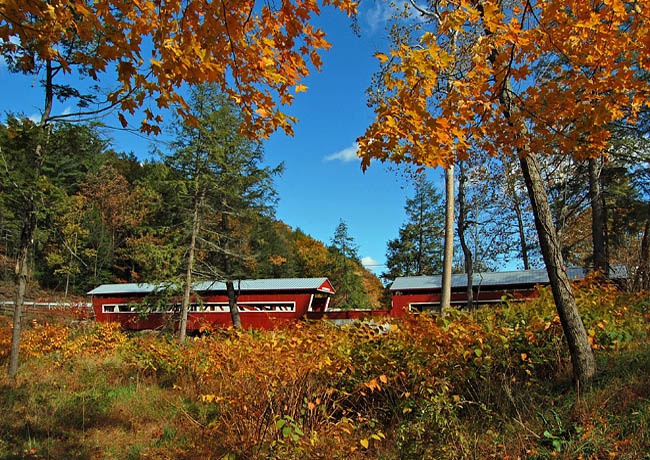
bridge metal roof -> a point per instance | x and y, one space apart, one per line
280 284
532 277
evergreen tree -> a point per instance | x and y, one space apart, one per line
226 190
418 248
343 272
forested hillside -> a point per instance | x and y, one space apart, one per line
108 217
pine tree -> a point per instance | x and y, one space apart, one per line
227 190
349 286
418 249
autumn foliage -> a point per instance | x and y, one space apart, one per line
422 388
257 54
575 67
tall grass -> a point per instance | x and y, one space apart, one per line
493 384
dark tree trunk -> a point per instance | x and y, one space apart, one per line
445 299
232 303
27 233
582 357
26 240
597 218
462 227
516 202
230 287
522 237
642 276
522 232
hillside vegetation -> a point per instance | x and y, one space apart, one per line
493 384
107 217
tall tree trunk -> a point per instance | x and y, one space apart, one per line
523 244
462 227
445 300
522 237
26 240
196 224
67 285
29 227
448 255
582 357
597 218
418 258
642 275
232 303
230 288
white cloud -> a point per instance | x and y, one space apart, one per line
67 111
378 15
382 13
346 155
369 263
35 117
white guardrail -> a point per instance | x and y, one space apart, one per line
7 307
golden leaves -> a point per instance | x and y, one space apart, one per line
441 91
382 57
258 57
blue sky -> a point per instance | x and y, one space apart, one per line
323 181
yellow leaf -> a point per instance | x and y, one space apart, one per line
364 442
301 88
382 57
383 378
262 112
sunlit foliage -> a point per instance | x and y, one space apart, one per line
488 385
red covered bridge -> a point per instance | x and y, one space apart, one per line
262 303
423 293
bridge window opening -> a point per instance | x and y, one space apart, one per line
427 308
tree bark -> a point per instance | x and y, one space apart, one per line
642 275
597 218
522 237
27 233
26 240
232 304
582 357
520 221
462 227
196 224
230 287
445 299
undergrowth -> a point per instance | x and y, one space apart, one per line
492 384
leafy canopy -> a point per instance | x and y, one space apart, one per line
256 54
575 67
